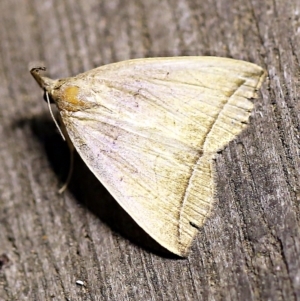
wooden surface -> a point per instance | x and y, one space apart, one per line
248 250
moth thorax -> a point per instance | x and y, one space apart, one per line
70 98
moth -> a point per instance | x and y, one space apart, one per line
149 130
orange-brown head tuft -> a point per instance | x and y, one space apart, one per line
68 98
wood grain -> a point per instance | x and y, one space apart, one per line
248 250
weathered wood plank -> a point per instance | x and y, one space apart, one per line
248 250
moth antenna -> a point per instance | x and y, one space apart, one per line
51 113
64 187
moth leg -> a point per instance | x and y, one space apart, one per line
71 148
64 187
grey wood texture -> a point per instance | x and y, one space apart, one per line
248 250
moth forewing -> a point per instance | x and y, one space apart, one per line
149 129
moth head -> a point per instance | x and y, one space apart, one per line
55 91
44 82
